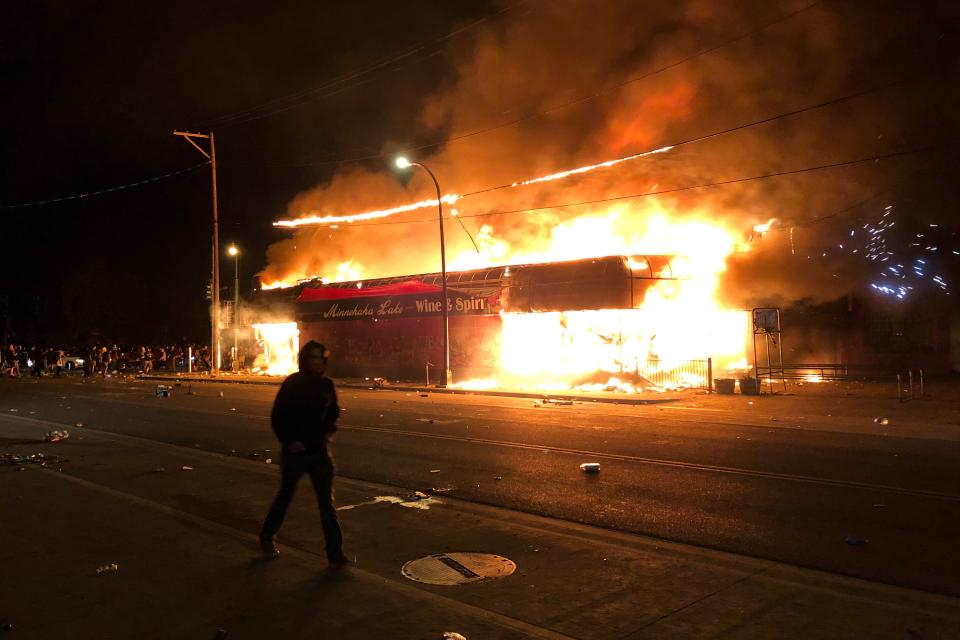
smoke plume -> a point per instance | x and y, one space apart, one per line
570 62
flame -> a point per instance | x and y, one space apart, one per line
314 217
761 229
281 344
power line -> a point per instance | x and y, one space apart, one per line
277 105
668 147
707 185
469 134
100 192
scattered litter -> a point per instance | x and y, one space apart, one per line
269 460
452 635
419 495
554 401
108 568
186 468
436 490
422 395
80 424
14 410
33 458
498 477
159 470
855 541
380 383
220 395
163 391
882 421
434 470
258 453
774 420
6 626
56 436
590 467
233 408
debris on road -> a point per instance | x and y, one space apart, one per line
882 421
269 460
498 477
436 490
159 470
434 470
80 424
6 626
258 453
855 540
424 395
163 391
220 395
557 402
452 635
186 468
419 495
33 458
590 467
108 568
56 435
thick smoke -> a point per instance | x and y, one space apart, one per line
553 52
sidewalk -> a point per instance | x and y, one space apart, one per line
184 542
652 397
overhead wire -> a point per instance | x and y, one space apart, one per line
538 114
648 194
276 105
100 192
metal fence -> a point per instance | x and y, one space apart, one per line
674 374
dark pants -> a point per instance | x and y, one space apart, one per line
319 467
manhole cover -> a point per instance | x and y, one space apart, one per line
458 568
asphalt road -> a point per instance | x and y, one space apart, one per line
727 480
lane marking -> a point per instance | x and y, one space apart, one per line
850 484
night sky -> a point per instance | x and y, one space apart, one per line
94 91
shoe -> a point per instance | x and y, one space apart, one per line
338 562
269 548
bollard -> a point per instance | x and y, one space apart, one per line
710 376
189 360
910 377
427 365
921 383
899 389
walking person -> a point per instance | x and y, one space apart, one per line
304 417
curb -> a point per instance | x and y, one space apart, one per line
424 389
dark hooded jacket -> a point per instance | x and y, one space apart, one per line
306 408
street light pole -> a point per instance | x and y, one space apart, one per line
446 377
236 304
215 293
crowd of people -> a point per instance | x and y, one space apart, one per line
38 361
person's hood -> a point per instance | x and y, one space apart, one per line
302 357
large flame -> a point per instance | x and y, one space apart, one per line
281 344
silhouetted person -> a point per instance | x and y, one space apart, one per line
304 417
37 357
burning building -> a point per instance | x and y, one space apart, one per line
596 323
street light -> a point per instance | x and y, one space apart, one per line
446 378
235 252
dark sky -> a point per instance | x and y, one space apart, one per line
93 91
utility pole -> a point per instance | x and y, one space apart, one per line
215 312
